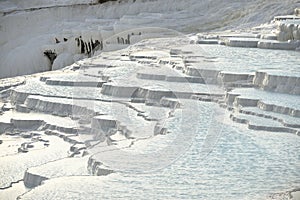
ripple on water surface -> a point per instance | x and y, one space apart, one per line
244 164
237 59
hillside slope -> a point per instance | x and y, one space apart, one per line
28 28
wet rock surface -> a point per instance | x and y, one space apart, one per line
164 107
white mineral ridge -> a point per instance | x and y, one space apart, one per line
62 167
160 108
87 187
25 33
63 60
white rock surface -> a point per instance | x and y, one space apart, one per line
154 113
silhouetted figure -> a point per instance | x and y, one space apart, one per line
122 39
97 43
86 47
82 49
78 41
57 41
118 39
92 44
128 39
65 39
140 33
90 47
93 47
101 45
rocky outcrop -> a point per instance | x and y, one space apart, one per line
75 83
289 30
277 83
117 90
34 176
33 180
97 168
18 97
292 122
297 12
278 109
233 80
241 42
135 92
37 103
289 45
209 75
259 126
241 101
237 100
171 103
104 123
189 79
26 124
5 127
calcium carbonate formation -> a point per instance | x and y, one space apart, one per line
126 108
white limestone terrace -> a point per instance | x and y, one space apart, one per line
79 183
36 87
278 99
62 167
214 64
54 120
278 81
258 123
246 59
139 157
69 80
156 89
51 105
286 37
156 115
123 117
286 120
7 83
115 185
26 25
289 29
15 165
8 147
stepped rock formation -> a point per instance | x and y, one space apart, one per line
211 114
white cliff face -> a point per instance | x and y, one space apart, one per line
289 30
288 27
26 34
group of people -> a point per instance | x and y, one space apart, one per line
89 47
121 40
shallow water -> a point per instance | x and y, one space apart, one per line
242 164
13 166
238 59
279 99
202 156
